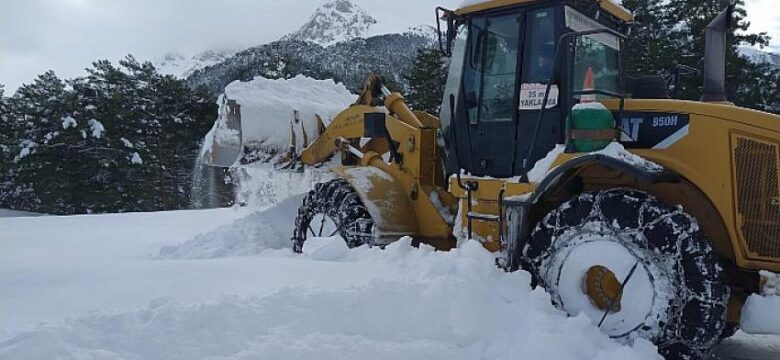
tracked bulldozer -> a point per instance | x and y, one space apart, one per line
652 216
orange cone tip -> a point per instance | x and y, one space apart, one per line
588 84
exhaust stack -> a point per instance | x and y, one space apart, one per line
715 57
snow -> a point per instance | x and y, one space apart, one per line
182 66
258 233
16 213
28 147
761 313
637 301
51 136
466 3
326 248
261 185
135 159
772 283
542 167
101 295
127 143
223 283
617 151
68 122
443 211
97 128
333 22
23 153
267 107
590 106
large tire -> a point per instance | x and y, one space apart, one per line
676 296
337 202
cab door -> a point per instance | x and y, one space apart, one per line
490 88
541 34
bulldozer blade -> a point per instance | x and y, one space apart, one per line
226 138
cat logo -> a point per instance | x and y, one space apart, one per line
631 129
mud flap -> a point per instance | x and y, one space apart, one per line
389 205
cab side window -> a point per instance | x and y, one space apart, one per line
541 50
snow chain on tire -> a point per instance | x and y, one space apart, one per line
337 200
665 240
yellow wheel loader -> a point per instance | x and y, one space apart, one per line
652 216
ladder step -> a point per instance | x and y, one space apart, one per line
483 217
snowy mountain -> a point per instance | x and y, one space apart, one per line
334 22
336 43
181 66
348 62
759 56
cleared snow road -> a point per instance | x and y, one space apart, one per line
140 286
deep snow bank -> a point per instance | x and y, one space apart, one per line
761 313
267 107
453 305
254 234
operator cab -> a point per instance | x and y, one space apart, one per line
504 61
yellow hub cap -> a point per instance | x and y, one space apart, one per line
602 288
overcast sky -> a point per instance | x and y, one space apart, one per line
67 35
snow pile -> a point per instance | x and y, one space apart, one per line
69 293
261 185
616 151
761 313
267 107
326 248
429 305
254 234
542 167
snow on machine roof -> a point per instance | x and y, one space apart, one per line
472 6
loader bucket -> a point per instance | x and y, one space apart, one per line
226 142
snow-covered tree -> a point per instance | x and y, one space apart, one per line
121 138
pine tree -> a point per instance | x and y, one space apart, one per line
649 49
5 148
671 33
118 139
427 78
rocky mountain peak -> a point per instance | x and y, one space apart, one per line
333 22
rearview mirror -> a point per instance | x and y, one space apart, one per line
447 36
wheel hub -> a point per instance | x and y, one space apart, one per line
602 288
588 278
